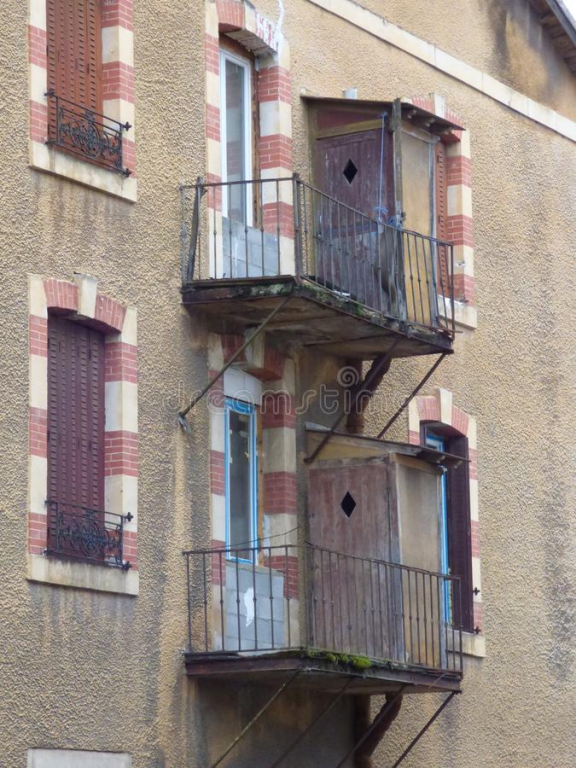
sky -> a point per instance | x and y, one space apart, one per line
571 5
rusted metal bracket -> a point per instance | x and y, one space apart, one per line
411 396
183 413
256 717
372 376
307 730
417 738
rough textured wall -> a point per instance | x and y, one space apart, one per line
501 37
105 673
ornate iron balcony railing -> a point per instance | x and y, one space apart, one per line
291 598
86 534
261 228
86 133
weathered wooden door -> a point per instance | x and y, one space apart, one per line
355 598
354 172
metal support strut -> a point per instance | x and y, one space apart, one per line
371 376
183 413
417 738
255 719
411 396
307 730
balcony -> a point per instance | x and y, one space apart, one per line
272 611
355 286
86 134
86 534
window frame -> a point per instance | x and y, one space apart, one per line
248 138
245 408
438 433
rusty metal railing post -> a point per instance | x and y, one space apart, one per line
298 255
195 230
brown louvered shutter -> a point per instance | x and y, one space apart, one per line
459 533
74 49
75 416
440 182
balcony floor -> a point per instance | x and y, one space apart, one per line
273 668
314 316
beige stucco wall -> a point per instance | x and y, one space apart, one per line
91 671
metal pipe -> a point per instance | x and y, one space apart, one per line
182 414
255 719
417 738
411 396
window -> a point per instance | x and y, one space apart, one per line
236 135
241 477
76 87
76 524
456 544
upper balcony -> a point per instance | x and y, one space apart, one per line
338 279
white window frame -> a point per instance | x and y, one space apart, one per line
248 137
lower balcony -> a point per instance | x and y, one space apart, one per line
267 613
337 279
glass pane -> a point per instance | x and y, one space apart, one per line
239 469
236 132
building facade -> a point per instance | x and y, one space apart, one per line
287 375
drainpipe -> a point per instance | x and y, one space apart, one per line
362 721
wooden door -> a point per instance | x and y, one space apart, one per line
355 601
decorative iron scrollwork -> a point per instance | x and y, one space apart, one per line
87 133
86 534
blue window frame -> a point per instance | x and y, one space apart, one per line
439 444
241 476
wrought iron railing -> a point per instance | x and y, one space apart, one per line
282 598
86 534
283 226
86 133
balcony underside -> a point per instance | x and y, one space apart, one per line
314 316
274 668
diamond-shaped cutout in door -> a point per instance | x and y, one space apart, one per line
350 171
348 504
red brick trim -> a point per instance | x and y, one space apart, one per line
274 84
120 453
117 13
478 615
212 122
458 170
460 420
38 336
121 362
118 81
212 54
130 547
38 432
109 313
60 294
217 473
37 46
278 410
428 409
280 493
230 15
37 533
288 565
464 288
460 230
275 151
475 529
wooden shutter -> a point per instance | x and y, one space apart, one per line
440 182
74 48
459 533
75 414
